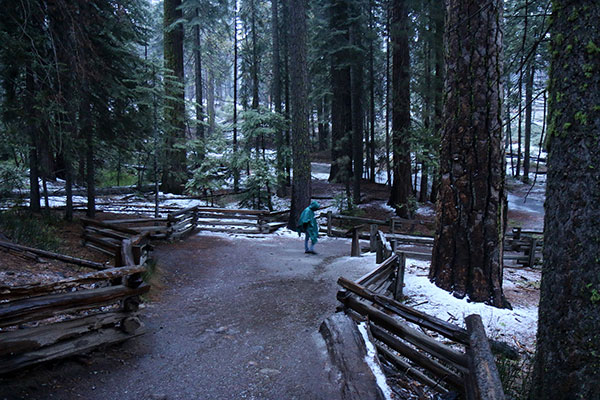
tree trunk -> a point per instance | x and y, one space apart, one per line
568 343
467 252
90 172
357 115
276 92
301 189
254 67
236 169
34 183
198 79
401 186
341 101
438 87
174 170
528 120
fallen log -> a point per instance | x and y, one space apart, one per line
347 351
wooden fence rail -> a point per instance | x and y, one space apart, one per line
466 367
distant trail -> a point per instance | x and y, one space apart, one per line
235 318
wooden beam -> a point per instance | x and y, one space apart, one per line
78 345
482 365
25 310
418 358
36 289
419 339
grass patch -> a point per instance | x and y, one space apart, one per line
516 376
28 229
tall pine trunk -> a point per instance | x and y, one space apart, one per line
174 170
198 78
568 340
467 252
357 116
301 188
401 186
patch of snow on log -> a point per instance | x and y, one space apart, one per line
371 361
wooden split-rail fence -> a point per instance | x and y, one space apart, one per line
45 321
406 337
105 236
523 246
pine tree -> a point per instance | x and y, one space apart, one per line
467 253
568 342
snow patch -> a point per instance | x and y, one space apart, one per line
518 324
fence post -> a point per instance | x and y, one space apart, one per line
532 252
329 218
373 237
401 266
483 372
379 251
392 225
355 251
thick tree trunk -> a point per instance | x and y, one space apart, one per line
567 362
174 170
90 172
341 101
467 252
276 92
301 189
401 186
438 86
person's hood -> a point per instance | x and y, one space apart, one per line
314 206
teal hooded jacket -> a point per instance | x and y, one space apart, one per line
308 223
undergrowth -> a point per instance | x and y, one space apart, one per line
515 376
28 229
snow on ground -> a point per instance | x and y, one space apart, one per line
518 324
512 326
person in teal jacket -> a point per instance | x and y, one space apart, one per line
307 223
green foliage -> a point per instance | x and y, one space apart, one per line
209 166
11 178
258 186
29 229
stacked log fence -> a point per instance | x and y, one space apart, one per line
461 361
40 322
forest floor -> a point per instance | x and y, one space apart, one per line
234 317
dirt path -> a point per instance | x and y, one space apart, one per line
235 319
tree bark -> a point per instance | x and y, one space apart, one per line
198 78
567 362
174 170
301 188
401 186
528 120
356 85
467 252
341 101
276 92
